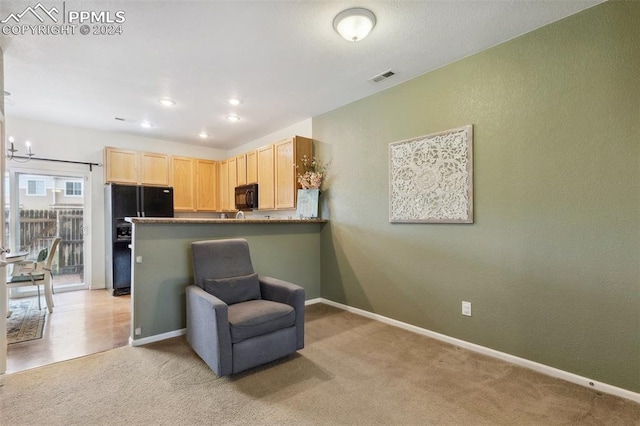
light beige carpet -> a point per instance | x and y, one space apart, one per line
353 371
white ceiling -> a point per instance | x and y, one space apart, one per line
282 58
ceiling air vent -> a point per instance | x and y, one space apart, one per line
383 76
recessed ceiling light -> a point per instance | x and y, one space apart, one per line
233 118
166 102
146 124
203 135
234 101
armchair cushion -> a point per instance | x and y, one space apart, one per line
257 317
234 289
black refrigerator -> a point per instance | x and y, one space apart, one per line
123 201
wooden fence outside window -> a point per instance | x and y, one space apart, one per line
38 228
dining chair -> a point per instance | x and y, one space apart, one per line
37 273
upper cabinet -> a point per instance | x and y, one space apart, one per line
241 169
252 167
288 159
224 185
120 166
277 171
233 182
154 168
206 185
135 168
183 174
266 178
195 184
201 185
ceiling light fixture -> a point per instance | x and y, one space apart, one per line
233 118
203 135
234 101
146 124
166 102
354 24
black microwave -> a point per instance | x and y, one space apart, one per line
247 197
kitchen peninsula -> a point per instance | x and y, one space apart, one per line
288 249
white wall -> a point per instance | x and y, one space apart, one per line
79 144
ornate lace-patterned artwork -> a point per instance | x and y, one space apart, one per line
431 178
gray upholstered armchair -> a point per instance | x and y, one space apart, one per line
235 319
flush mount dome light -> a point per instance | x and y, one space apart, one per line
354 24
146 124
233 118
234 101
203 135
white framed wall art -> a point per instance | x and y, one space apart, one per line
431 178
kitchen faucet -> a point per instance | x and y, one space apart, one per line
240 214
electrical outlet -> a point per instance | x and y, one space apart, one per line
138 331
466 308
138 259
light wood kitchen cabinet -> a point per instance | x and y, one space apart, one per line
288 155
183 179
135 168
266 178
195 184
155 169
241 169
224 185
233 182
120 166
252 166
206 178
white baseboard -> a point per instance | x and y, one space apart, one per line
157 337
540 368
313 301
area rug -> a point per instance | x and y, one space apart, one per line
26 321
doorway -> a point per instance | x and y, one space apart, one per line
40 206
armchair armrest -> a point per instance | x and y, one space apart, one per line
287 293
208 329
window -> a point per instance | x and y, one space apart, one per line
73 189
35 187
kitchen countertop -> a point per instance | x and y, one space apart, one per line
189 220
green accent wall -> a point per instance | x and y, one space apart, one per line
289 252
552 263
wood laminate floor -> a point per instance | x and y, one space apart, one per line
83 322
